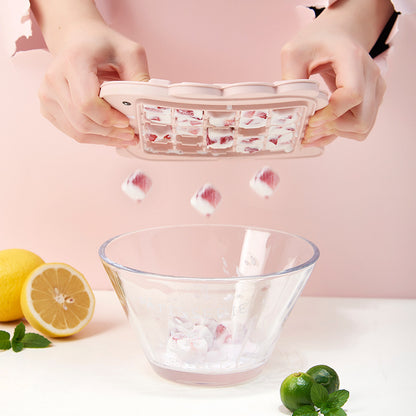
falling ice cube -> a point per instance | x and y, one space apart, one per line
137 185
264 182
206 200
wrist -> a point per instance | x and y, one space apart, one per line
59 21
361 20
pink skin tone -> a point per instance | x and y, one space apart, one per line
86 51
336 46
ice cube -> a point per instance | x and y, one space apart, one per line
188 349
180 324
281 139
221 118
264 182
137 185
187 130
202 332
158 133
220 138
251 119
249 144
222 336
157 114
185 115
206 200
284 117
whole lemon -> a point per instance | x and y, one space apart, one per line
15 265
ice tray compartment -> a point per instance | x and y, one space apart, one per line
187 131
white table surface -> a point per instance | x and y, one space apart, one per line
102 371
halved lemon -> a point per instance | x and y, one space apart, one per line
57 300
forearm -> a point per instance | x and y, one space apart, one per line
56 18
363 20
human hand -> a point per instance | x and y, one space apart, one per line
86 52
330 47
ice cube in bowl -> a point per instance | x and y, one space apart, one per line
208 301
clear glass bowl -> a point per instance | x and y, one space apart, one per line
208 301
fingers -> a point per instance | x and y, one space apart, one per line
69 99
321 142
353 106
351 83
53 112
84 88
353 78
56 99
133 64
294 62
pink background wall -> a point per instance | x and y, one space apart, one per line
356 202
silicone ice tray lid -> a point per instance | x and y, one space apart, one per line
211 121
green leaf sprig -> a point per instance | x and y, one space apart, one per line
323 403
21 339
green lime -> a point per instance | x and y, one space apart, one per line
326 376
295 390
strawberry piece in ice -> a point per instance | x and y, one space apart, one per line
285 117
158 114
206 200
189 130
221 118
265 182
190 114
250 144
157 133
219 330
251 119
222 335
220 138
189 122
281 139
151 137
137 185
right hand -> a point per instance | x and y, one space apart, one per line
69 93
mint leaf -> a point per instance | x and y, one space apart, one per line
32 340
334 412
5 344
17 346
21 340
338 398
5 340
19 332
307 410
319 395
4 335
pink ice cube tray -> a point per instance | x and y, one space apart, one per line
211 121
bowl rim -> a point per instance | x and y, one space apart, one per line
304 265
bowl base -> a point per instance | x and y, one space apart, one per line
210 380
